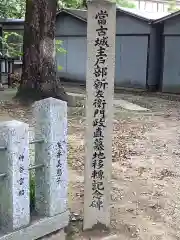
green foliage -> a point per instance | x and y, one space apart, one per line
125 3
72 3
16 8
12 8
12 43
172 6
15 79
32 192
59 48
82 3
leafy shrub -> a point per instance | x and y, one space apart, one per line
32 192
15 79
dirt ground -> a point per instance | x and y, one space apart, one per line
145 198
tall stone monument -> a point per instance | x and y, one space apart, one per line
99 111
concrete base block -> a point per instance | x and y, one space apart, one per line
113 237
38 228
60 235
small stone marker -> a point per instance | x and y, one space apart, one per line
99 111
14 187
52 180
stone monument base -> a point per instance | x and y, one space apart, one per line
39 227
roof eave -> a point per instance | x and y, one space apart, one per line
70 13
172 15
118 10
11 23
133 15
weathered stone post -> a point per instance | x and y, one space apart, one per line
99 111
51 181
14 185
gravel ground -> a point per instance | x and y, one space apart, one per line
145 178
145 202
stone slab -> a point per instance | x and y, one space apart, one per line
39 228
5 117
76 94
113 237
128 105
118 103
57 236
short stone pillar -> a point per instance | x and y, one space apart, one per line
51 181
14 187
101 29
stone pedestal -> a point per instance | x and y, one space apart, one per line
40 228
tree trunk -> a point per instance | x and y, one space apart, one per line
39 68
